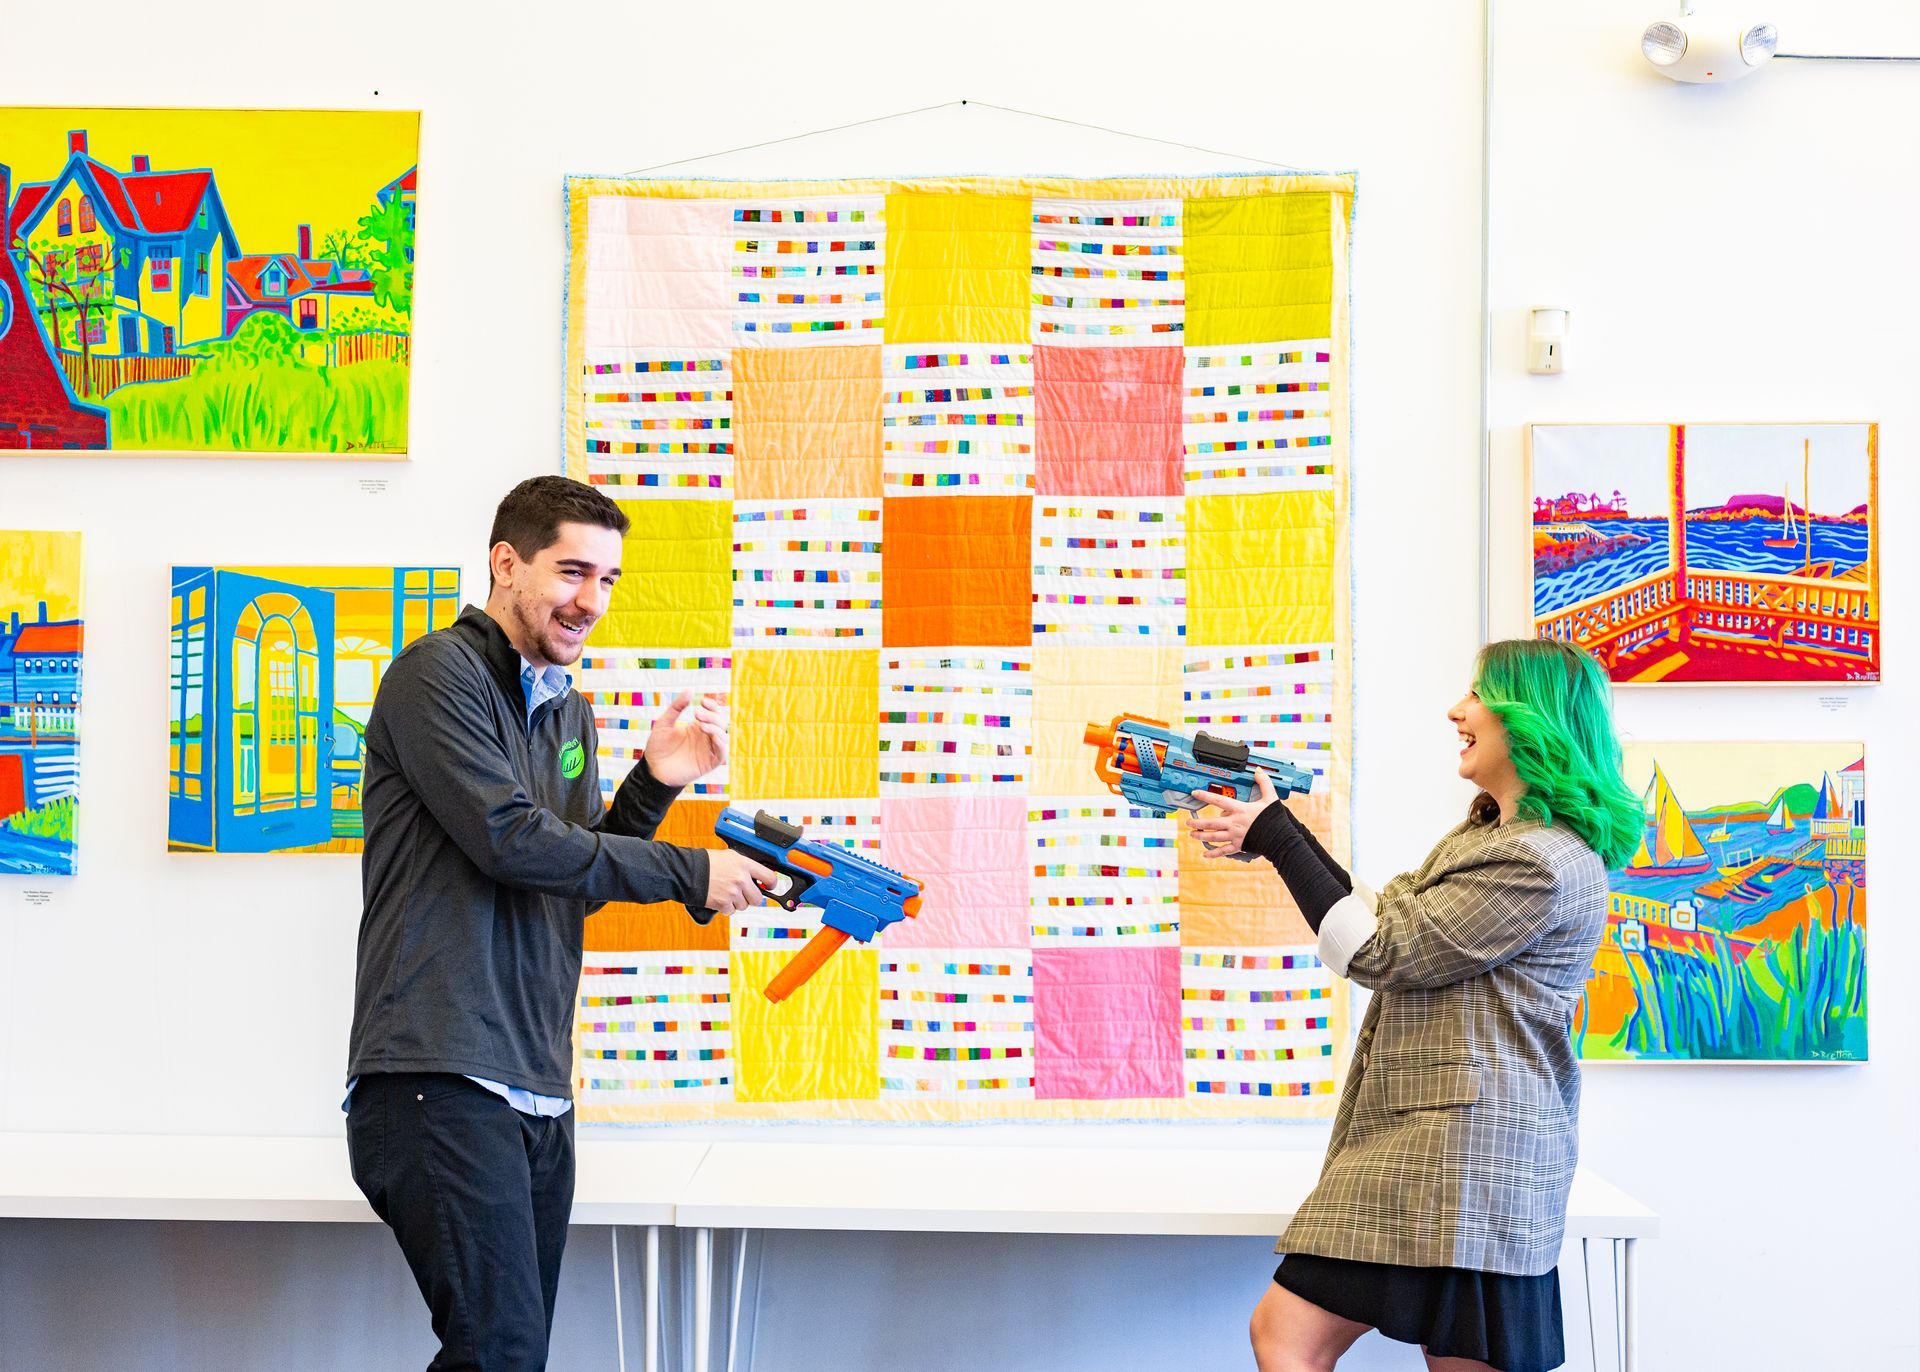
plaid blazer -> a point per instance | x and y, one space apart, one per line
1458 1127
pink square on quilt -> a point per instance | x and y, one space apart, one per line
1107 421
1106 1023
971 851
657 274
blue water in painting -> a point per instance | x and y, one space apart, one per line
1751 837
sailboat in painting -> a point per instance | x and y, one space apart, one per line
1789 531
1670 846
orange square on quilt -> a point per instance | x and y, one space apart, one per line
622 927
957 570
1227 904
806 423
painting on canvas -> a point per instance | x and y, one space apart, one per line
206 281
1709 553
40 652
1738 929
273 675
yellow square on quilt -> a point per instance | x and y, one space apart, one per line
1259 268
817 1044
806 724
1260 568
959 268
676 583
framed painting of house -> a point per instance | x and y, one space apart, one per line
40 656
1691 554
220 282
273 674
1737 931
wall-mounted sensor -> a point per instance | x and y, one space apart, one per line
1547 341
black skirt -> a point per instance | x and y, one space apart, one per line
1512 1323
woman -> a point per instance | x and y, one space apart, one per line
1443 1199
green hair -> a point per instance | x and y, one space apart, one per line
1556 703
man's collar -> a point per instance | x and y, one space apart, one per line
484 633
558 679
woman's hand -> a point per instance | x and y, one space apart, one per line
684 745
1222 833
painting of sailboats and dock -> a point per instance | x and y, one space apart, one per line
1709 553
1737 931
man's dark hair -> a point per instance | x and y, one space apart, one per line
531 515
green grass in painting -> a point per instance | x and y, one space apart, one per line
1802 999
52 820
276 407
255 394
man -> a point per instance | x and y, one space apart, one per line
486 845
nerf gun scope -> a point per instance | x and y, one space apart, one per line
858 897
1158 769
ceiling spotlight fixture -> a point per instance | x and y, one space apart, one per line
1707 48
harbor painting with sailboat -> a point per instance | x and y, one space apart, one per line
1709 552
1737 931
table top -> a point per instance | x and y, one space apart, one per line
1043 1190
178 1177
901 1184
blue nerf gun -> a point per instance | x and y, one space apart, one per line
1159 770
858 897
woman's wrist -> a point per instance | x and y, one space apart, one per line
1268 832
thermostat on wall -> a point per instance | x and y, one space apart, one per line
1547 341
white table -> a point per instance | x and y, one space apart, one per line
173 1177
774 1184
1065 1190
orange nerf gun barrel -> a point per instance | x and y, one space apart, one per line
857 896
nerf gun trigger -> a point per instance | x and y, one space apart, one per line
767 839
779 836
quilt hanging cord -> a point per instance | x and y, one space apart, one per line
981 104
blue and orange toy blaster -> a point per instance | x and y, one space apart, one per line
1159 770
857 897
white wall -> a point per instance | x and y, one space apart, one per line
1741 253
193 995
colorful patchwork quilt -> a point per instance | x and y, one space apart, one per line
924 477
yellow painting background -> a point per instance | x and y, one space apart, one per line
37 565
275 169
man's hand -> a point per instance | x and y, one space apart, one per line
735 882
1223 833
685 744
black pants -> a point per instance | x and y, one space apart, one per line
478 1195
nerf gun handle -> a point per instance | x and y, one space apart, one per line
825 942
769 842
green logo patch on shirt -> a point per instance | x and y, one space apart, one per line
573 759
